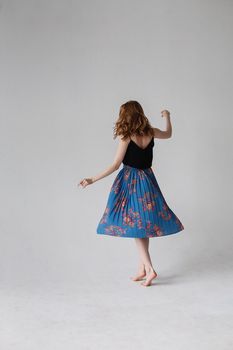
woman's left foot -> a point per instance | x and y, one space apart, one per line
139 277
150 276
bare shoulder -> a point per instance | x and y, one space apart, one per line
123 141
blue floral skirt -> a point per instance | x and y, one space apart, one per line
136 207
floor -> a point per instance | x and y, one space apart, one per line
179 311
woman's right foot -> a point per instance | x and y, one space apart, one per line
149 278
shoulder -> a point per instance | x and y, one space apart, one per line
125 141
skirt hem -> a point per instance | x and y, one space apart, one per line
144 236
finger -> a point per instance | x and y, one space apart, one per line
82 182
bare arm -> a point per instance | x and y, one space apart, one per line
121 149
160 134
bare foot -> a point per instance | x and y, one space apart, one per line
150 276
140 276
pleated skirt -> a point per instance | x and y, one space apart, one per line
136 207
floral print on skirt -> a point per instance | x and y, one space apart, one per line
136 207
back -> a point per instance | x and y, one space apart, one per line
139 157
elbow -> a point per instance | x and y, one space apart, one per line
116 166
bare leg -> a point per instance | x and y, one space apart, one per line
143 247
141 274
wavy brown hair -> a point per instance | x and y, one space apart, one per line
132 120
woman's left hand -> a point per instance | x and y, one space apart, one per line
85 182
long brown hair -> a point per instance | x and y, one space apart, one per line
132 120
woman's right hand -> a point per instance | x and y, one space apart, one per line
165 113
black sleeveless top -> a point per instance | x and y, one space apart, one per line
138 157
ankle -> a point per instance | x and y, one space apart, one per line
142 268
149 269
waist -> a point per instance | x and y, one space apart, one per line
133 167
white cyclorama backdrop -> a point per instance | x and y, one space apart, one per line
66 67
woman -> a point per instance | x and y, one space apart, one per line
136 207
